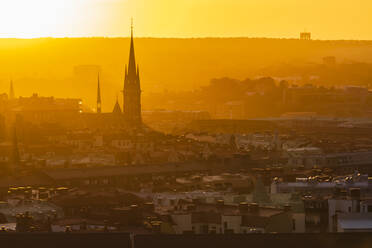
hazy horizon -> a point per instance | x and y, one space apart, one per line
46 65
171 37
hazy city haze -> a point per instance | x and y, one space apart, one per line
46 66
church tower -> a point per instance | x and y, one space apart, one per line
132 88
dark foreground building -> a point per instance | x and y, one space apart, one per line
124 240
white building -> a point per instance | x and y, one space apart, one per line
348 209
354 222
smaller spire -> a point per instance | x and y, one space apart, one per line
117 109
11 91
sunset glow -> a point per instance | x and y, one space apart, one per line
189 18
47 18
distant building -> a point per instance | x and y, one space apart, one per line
305 36
37 109
354 222
227 219
322 186
350 212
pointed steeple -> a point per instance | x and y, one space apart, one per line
11 91
117 109
132 57
99 108
132 88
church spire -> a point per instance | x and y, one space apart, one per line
11 91
117 109
132 57
99 109
132 88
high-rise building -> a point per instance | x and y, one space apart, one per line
132 89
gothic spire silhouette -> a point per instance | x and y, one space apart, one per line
132 88
132 58
117 109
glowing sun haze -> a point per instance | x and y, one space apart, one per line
326 19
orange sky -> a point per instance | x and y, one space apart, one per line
326 19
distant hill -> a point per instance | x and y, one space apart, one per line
47 65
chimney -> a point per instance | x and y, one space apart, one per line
135 215
220 202
287 208
220 205
254 208
149 206
243 207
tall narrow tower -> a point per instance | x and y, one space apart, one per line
11 91
99 107
132 88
